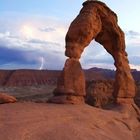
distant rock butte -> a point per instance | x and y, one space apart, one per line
99 84
17 78
99 22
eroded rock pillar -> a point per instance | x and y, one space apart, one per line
71 84
124 88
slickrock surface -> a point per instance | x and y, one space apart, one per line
32 121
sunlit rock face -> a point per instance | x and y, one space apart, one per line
99 22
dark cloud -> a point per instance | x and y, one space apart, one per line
20 53
16 56
48 29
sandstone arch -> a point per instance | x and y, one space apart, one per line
95 21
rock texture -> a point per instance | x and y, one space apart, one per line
97 21
20 78
99 93
137 97
71 83
32 121
5 98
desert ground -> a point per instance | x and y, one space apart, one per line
42 121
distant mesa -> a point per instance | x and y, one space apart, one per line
17 78
20 78
97 79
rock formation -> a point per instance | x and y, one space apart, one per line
30 121
20 78
95 21
99 93
4 98
137 97
71 84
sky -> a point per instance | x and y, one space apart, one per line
32 34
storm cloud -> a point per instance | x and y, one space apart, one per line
48 43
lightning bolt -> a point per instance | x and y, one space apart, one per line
42 63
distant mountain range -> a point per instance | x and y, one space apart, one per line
41 77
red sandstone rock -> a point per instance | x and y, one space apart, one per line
137 97
99 93
19 78
72 78
125 100
99 22
67 99
4 98
32 121
71 82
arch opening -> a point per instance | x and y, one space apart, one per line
95 55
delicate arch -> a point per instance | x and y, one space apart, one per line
97 21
